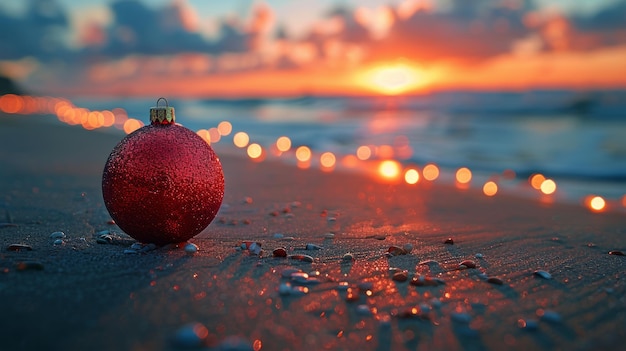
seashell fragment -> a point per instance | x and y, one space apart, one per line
616 253
467 264
543 274
191 248
329 236
528 324
58 242
495 281
19 247
348 257
396 250
57 235
312 247
303 258
400 276
279 252
449 241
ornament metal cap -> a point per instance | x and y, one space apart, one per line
162 115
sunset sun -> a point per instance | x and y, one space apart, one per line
394 79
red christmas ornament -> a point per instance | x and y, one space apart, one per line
162 183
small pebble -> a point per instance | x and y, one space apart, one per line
348 257
396 250
467 264
192 335
329 236
111 222
129 252
461 317
303 258
148 247
495 280
449 241
57 235
315 273
528 324
400 276
29 266
616 253
287 272
105 239
479 255
136 246
58 242
331 219
279 252
191 248
543 274
364 310
312 247
408 247
549 316
19 247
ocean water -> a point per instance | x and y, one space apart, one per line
576 138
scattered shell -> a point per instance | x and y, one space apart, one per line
461 317
400 276
303 258
429 263
192 335
312 247
420 280
296 204
279 252
191 248
616 253
278 235
363 310
495 280
148 247
130 252
467 264
331 219
58 242
104 239
136 246
408 247
19 247
329 236
449 241
111 222
479 255
57 235
348 257
253 247
528 324
396 250
543 274
287 272
29 266
549 316
288 238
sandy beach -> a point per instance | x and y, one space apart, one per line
82 295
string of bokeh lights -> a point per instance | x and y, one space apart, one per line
377 159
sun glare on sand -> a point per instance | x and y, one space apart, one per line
394 79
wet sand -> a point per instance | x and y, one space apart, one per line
91 296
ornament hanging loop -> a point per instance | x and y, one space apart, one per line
162 115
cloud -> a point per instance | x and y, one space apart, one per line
37 33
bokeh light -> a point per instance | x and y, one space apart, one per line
224 128
215 135
389 169
411 176
363 152
204 134
255 151
303 154
327 160
596 203
490 188
463 175
132 125
548 186
241 139
283 143
430 172
536 180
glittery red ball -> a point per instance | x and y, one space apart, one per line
163 184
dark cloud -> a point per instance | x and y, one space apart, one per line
37 33
610 18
